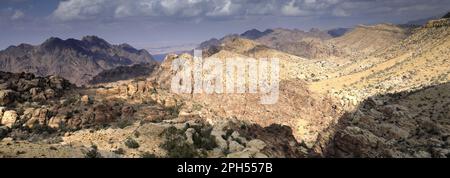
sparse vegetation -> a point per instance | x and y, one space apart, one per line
148 155
177 146
131 143
93 152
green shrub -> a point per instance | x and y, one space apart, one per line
131 143
119 151
175 110
122 123
93 153
148 155
175 144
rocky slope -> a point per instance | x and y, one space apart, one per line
297 107
417 61
135 118
307 44
363 40
397 102
124 73
76 60
406 124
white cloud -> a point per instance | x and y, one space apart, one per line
99 9
339 12
69 10
79 9
18 14
291 10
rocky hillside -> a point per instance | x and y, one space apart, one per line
363 40
309 44
76 60
49 117
406 124
415 62
124 73
396 97
297 107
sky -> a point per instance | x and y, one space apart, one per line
157 23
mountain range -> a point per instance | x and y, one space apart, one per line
379 91
76 60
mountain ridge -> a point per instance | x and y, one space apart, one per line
76 60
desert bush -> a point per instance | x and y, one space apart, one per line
177 147
148 155
203 138
131 143
175 144
175 110
119 151
122 123
93 152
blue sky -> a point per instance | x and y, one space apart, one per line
153 23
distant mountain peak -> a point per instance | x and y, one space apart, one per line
95 40
73 59
53 40
447 15
255 33
314 30
53 43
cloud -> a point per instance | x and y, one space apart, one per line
116 9
340 12
79 9
291 10
18 14
70 10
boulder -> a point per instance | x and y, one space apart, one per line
103 114
57 82
217 132
234 146
141 87
35 91
38 118
170 102
260 155
132 89
246 153
57 121
9 118
49 93
189 135
32 123
257 144
357 142
4 86
39 97
2 110
7 97
3 132
85 99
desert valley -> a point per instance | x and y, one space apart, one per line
378 90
